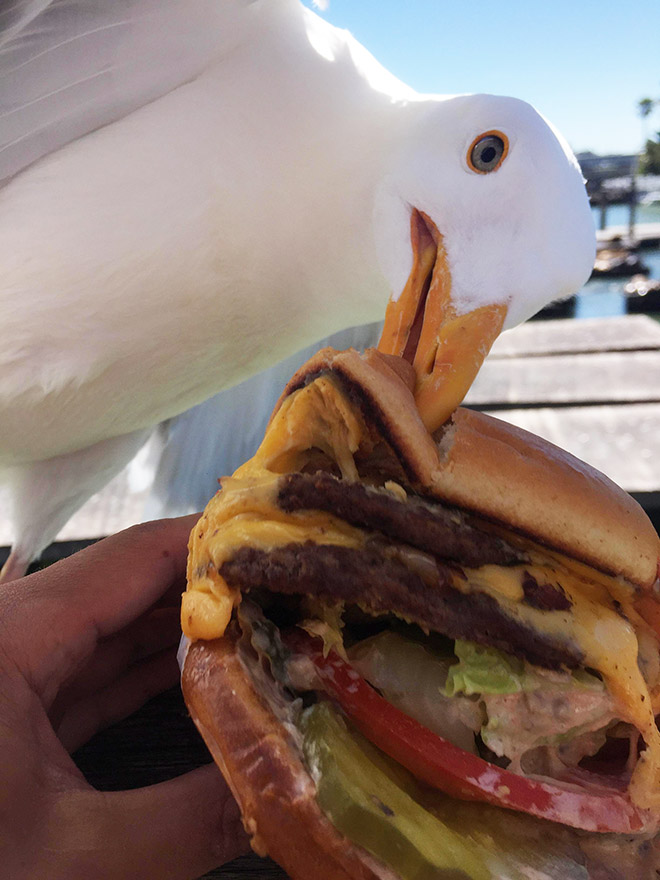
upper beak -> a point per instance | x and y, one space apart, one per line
446 349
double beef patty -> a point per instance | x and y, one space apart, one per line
383 576
427 526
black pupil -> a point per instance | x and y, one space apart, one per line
487 153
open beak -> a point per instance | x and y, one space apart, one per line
445 349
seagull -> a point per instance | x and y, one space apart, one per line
193 192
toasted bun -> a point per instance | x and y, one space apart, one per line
476 462
499 471
509 475
261 764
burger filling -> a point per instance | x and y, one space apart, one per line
351 588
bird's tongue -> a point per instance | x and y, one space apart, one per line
446 349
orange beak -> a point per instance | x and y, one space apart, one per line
445 349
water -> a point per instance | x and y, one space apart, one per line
602 298
619 215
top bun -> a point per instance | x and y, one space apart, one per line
499 471
509 475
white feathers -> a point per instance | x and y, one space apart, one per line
68 67
521 235
334 45
44 494
194 191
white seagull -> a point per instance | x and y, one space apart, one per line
193 191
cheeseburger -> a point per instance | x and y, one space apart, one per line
426 655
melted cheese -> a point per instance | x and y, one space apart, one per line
317 416
245 513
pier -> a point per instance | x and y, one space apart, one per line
644 235
614 180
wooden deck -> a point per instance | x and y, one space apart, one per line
590 386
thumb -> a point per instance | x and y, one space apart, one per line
176 830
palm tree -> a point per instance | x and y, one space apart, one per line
650 158
645 107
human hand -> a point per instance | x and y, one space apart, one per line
85 643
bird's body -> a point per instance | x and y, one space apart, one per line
177 253
252 208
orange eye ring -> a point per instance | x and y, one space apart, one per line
487 152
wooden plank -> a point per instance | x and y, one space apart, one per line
621 333
622 441
603 377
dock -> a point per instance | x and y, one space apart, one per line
589 386
646 235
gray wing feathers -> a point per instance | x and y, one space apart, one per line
68 67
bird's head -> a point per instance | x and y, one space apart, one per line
493 201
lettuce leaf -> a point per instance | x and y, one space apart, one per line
485 670
482 670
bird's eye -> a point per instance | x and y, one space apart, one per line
488 151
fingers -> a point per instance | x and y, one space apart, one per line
56 616
120 699
197 820
153 632
172 831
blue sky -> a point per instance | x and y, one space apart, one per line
584 65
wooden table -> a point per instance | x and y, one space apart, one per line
591 386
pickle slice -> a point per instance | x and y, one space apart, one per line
525 846
365 798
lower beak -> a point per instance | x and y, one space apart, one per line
446 349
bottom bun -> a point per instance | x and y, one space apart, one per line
261 763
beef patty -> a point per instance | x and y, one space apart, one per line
431 527
376 579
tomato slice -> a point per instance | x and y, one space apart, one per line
591 806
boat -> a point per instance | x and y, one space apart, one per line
651 199
642 294
618 262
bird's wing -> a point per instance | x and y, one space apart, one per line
214 438
44 494
68 67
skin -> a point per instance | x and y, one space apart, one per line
83 644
